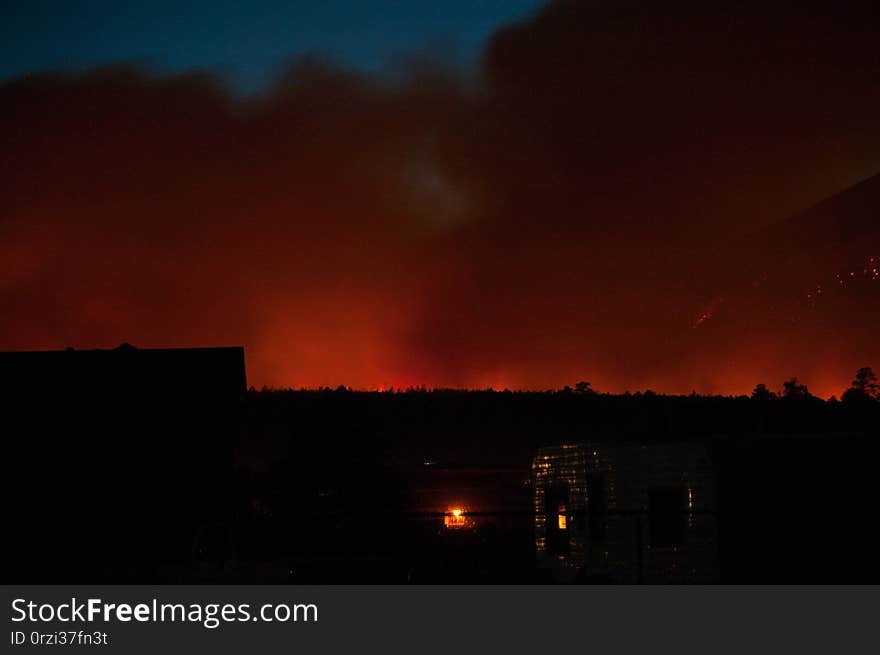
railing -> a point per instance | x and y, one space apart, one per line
637 515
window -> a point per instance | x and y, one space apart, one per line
666 516
597 506
555 504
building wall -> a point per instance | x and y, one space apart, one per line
620 521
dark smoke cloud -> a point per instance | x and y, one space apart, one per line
563 215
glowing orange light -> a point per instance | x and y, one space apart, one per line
563 522
455 518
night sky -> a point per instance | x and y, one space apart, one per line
390 194
248 43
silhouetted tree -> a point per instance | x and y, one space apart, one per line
794 389
584 387
761 392
865 386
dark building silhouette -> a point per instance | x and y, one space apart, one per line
138 375
117 460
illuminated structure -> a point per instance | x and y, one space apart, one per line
456 518
626 512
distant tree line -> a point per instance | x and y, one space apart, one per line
864 388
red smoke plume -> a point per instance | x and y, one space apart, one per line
563 215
